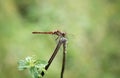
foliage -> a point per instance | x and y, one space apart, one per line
35 66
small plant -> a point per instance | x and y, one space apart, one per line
34 65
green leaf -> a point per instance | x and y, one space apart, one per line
35 66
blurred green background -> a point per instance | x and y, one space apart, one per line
93 32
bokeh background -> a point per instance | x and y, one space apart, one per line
93 32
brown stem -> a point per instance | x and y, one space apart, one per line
64 58
53 56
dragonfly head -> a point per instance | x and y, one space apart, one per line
59 33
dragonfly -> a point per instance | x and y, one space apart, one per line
62 41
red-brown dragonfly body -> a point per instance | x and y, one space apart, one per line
57 32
